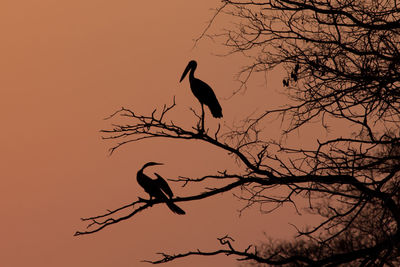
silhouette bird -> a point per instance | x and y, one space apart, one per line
158 188
202 92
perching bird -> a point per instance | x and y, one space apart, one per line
202 92
158 188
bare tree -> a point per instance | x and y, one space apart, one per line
343 67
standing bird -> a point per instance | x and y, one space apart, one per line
202 92
158 188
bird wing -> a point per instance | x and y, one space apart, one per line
207 96
215 107
163 185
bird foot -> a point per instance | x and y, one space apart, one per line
148 201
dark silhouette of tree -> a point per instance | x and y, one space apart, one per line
343 68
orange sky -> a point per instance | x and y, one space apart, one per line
66 65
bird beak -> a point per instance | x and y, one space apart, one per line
188 67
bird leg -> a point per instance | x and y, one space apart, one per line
202 117
148 201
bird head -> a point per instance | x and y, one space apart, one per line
191 65
151 163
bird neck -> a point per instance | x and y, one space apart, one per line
140 172
145 166
140 176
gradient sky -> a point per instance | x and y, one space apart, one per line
66 65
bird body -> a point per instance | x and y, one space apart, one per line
157 188
202 91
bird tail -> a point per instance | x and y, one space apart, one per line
216 110
172 206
